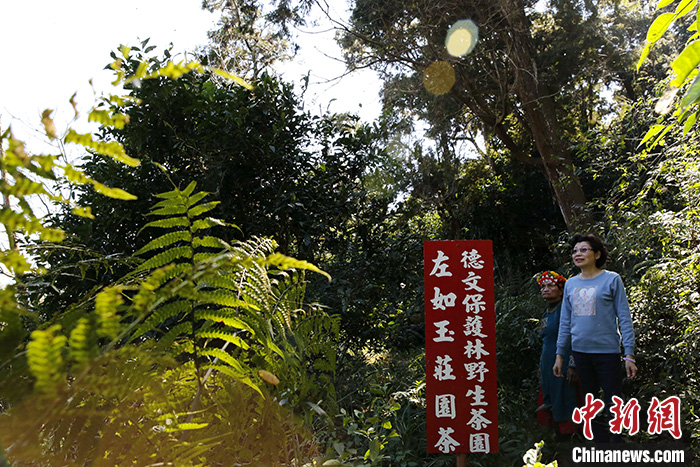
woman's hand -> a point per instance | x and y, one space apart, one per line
558 363
630 366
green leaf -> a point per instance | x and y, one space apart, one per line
225 357
663 3
375 448
107 118
226 317
653 131
219 297
692 94
689 122
206 223
116 193
211 242
233 78
166 257
168 203
112 149
83 212
168 223
189 190
241 376
661 135
187 426
316 408
165 312
659 26
685 7
685 63
224 336
286 262
202 208
169 210
196 198
165 240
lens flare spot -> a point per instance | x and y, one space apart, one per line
439 77
268 377
461 38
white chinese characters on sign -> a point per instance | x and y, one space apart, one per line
446 443
440 268
442 302
443 369
443 334
461 419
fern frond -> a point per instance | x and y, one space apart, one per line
211 242
220 297
195 198
169 311
171 271
80 347
285 262
170 202
173 194
206 223
237 375
168 223
197 211
203 257
169 210
165 240
167 340
107 303
221 281
223 335
45 357
187 426
226 358
272 346
224 316
166 257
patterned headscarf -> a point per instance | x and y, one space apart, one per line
550 277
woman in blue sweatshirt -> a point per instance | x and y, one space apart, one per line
595 320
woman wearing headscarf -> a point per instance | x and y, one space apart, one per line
557 396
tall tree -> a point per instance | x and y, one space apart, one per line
276 170
516 87
247 40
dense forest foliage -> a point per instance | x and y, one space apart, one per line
229 279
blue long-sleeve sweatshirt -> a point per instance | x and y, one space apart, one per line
591 312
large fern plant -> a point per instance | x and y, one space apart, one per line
195 312
236 309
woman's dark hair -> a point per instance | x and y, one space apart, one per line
596 243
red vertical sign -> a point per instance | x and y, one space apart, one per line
460 347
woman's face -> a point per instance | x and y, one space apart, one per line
551 292
584 256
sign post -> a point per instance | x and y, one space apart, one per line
460 348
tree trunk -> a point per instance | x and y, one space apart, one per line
540 111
